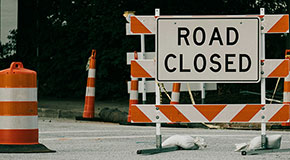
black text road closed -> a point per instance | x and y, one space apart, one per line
223 49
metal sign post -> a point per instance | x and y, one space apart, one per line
143 79
263 87
157 98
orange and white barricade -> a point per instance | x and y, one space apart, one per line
89 108
18 111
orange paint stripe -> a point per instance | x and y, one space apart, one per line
18 108
19 136
286 86
138 71
172 113
247 113
209 111
281 115
176 87
138 116
91 82
134 85
282 70
137 26
172 102
18 81
281 26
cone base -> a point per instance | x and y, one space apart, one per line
34 148
88 119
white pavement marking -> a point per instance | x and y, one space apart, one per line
91 131
134 136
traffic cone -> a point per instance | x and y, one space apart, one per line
89 108
18 113
286 92
175 93
133 91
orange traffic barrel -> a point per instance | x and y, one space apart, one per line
18 111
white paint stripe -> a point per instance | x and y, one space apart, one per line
90 91
92 73
191 113
140 136
175 96
228 113
18 94
18 122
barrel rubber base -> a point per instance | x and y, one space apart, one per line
34 148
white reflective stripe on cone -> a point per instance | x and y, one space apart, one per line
18 122
92 73
286 96
134 95
18 94
90 91
175 96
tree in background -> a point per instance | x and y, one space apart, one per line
65 31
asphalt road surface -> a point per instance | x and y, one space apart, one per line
74 140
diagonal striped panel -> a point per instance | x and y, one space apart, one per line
247 113
282 25
138 116
274 68
274 23
143 68
282 115
191 113
172 113
228 113
137 26
209 111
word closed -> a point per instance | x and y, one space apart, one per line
223 49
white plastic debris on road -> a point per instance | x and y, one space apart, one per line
273 142
185 142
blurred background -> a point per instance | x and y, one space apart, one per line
55 38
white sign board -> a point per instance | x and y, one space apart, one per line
210 49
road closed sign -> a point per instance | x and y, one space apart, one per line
211 49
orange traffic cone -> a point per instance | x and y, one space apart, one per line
18 114
133 91
89 108
175 93
286 92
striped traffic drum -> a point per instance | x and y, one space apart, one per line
18 110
